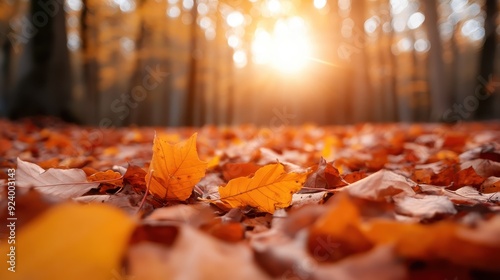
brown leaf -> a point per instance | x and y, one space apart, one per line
467 177
326 176
490 185
235 170
354 176
194 215
483 167
136 177
381 184
336 234
426 206
209 258
442 240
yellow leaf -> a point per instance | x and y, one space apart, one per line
70 241
270 188
176 168
214 162
331 142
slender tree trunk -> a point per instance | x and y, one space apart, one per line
436 71
361 95
485 84
189 116
90 65
135 76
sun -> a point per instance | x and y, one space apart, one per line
286 48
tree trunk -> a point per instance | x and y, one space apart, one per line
485 84
44 86
438 88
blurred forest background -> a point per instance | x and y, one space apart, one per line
269 62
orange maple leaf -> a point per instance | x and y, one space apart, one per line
270 188
174 169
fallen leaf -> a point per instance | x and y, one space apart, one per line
379 263
467 177
71 241
490 185
285 258
443 240
213 162
5 145
471 194
194 215
208 186
235 170
354 176
268 156
426 206
269 189
50 163
336 234
193 255
136 177
229 232
106 177
483 167
303 199
381 184
127 200
176 168
64 183
326 176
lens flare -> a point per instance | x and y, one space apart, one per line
286 48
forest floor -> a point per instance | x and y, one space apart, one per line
367 201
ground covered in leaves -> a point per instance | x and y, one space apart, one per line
389 201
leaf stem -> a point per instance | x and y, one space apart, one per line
147 191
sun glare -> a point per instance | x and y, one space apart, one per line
286 48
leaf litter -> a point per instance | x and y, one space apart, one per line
388 201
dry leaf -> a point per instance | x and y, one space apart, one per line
471 194
302 199
491 185
193 255
426 206
378 263
64 183
177 168
208 186
467 177
106 176
71 241
381 184
270 188
193 215
326 176
127 200
443 240
339 230
235 170
135 176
